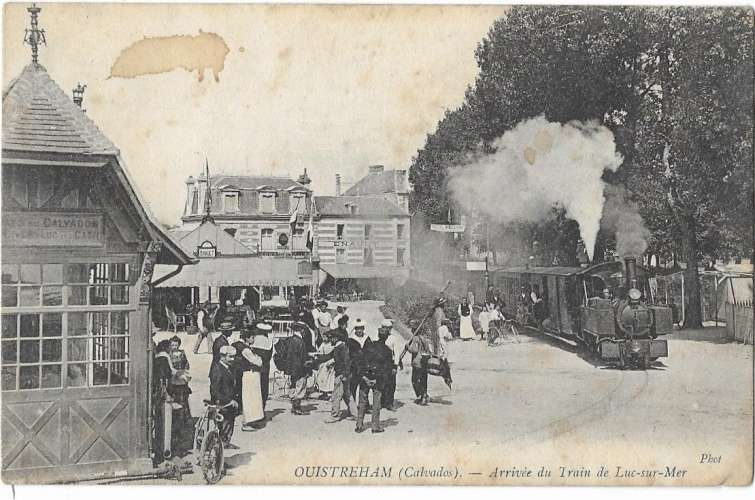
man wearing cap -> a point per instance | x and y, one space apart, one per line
385 333
226 329
262 346
223 392
296 357
357 342
375 367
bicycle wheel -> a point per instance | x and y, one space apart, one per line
199 431
211 457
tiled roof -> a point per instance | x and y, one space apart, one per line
374 183
39 117
366 205
253 182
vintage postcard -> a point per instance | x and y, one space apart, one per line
377 245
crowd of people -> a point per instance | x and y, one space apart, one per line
329 352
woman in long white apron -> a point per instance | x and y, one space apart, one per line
249 365
466 330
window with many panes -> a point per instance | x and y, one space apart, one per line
64 325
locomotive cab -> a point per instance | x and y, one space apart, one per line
624 330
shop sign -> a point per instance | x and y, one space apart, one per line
477 265
44 229
354 243
207 250
447 228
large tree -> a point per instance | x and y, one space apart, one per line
675 86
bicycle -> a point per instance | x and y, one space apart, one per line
208 445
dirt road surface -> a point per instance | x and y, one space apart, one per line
529 406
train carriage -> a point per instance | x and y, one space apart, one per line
609 309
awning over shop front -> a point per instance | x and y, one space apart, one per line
354 271
237 271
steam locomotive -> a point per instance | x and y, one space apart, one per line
609 310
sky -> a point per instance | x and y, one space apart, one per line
333 89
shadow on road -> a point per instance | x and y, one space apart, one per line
238 459
439 400
270 415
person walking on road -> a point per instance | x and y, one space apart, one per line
375 367
420 348
203 327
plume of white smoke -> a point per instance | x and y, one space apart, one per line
621 215
538 165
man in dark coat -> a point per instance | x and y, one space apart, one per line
296 367
375 368
357 342
223 392
226 329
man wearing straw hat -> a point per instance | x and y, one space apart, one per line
226 329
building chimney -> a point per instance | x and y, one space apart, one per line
338 184
376 169
304 179
400 183
631 264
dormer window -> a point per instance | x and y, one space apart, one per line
267 202
298 200
231 202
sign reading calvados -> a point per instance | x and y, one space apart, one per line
28 229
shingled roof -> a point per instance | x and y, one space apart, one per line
338 206
253 182
39 117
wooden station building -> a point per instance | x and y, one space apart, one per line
78 251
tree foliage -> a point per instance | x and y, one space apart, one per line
675 85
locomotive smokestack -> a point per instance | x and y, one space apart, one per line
631 279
